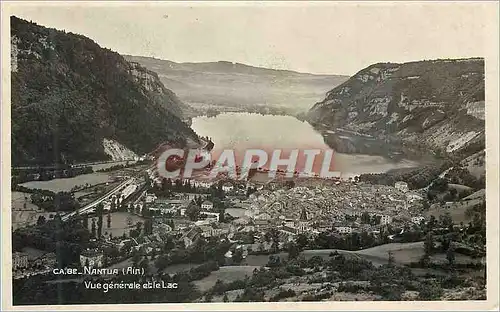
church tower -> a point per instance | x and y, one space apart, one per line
303 222
303 215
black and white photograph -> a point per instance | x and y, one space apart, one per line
203 153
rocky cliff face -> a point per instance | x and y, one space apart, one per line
69 94
434 105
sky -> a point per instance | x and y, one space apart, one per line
323 38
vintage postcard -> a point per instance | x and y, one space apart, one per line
250 155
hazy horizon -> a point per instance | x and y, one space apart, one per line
291 70
227 61
319 38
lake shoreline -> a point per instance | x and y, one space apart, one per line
269 132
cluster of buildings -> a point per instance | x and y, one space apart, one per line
28 263
340 206
92 258
344 208
291 211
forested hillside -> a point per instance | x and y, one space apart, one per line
69 94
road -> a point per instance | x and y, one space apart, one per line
122 185
90 206
50 167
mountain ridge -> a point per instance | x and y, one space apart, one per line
229 65
238 87
69 94
432 104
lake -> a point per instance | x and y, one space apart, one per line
243 131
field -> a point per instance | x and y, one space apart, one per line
26 218
33 253
23 211
457 210
119 223
404 253
261 260
60 185
19 199
226 274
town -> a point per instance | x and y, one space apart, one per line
145 222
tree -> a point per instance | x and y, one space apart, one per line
169 244
274 261
315 262
375 220
148 226
193 212
445 243
365 218
430 291
208 297
274 247
86 222
432 223
161 263
113 204
429 244
302 241
136 258
198 200
237 256
99 211
267 237
108 221
293 251
219 287
138 227
425 205
354 241
171 223
144 264
366 239
133 233
41 220
390 261
222 214
145 210
450 256
446 221
93 229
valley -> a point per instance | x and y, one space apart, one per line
405 220
223 86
